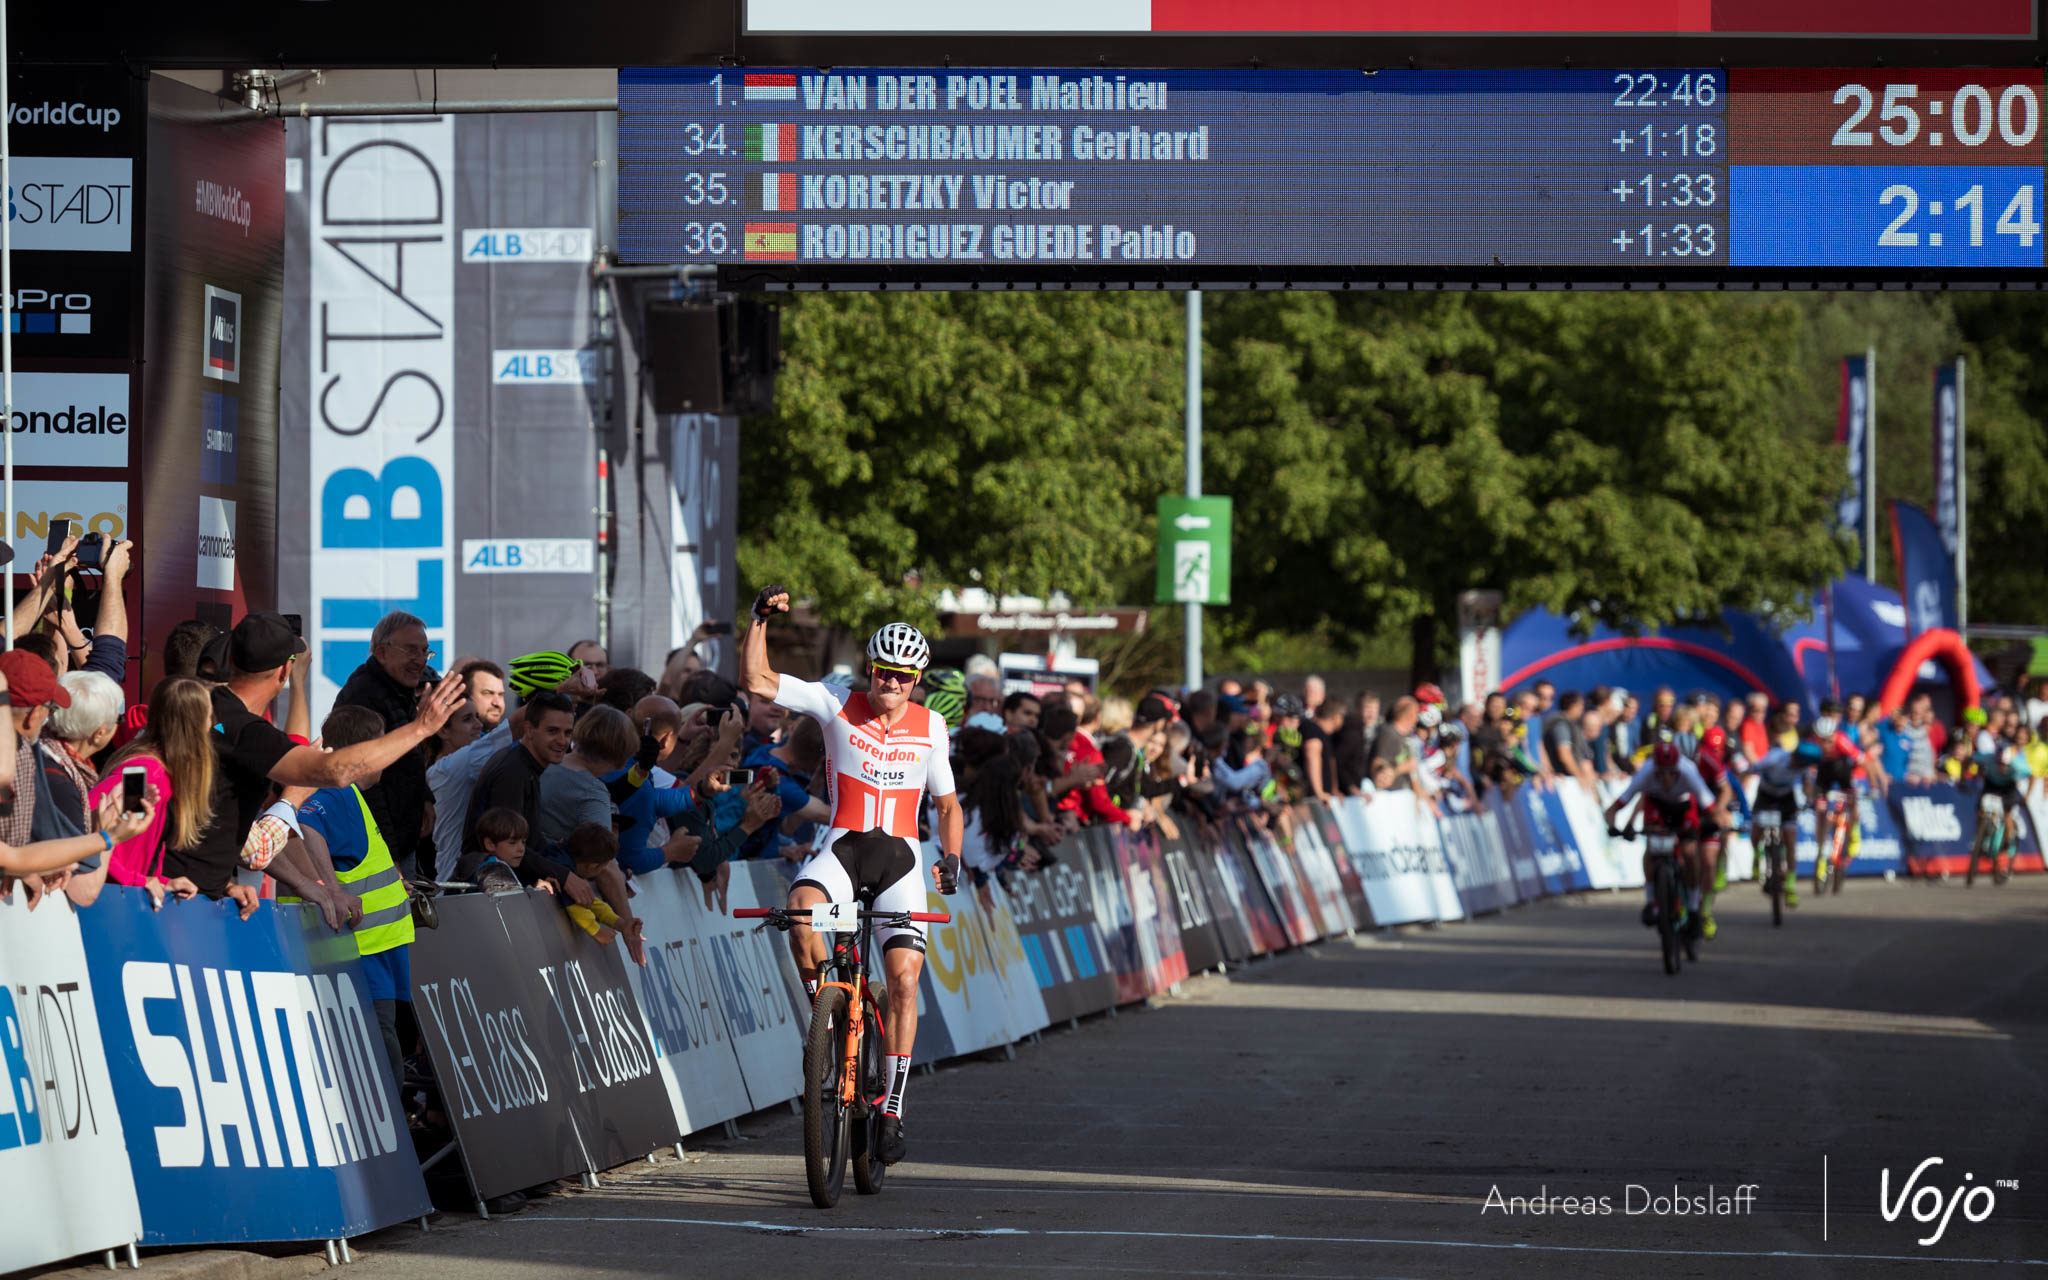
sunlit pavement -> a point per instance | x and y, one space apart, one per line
1392 1106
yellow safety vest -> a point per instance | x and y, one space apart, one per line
387 908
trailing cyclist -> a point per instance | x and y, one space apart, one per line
1778 802
1711 759
1836 758
1671 785
1998 767
883 754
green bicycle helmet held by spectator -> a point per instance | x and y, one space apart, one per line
534 672
946 695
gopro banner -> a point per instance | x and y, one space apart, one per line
251 1079
1927 572
62 1156
1855 432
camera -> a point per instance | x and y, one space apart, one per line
92 551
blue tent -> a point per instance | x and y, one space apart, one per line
1869 630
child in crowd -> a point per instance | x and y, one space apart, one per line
593 847
502 834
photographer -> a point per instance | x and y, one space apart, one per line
59 576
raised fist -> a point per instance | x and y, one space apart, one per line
771 601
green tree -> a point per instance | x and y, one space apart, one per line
1609 456
1011 441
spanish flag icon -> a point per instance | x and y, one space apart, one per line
771 242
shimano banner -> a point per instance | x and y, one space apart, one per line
62 1158
252 1083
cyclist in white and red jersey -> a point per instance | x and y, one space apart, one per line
1671 786
883 753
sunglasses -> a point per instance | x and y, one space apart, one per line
893 675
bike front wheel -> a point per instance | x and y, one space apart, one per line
827 1123
868 1169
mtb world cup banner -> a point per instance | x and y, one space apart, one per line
252 1082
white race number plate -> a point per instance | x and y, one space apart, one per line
835 917
1663 843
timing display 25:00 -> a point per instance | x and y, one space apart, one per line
995 170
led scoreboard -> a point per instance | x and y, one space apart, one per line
964 173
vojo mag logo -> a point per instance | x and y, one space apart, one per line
47 311
1934 1206
223 335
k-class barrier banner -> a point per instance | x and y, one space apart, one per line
544 1058
252 1082
681 993
62 1158
1200 940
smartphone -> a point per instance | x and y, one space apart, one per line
59 531
718 628
133 779
296 622
739 777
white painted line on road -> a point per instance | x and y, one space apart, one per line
1264 1238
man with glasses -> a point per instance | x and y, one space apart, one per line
883 754
390 683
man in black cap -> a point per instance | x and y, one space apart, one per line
252 753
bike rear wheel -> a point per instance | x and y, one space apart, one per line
827 1123
1774 850
868 1169
1667 915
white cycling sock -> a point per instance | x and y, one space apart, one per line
1692 899
1649 891
899 1075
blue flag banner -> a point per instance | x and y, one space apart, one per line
1854 432
1927 573
252 1082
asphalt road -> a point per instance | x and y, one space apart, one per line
1389 1106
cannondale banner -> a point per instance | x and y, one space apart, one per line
1855 431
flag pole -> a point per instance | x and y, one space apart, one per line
1962 512
1870 463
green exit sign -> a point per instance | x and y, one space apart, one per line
1194 551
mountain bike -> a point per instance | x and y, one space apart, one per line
1830 856
1989 842
1668 894
845 1078
1774 858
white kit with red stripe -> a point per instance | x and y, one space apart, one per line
877 774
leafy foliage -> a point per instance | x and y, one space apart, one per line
1633 458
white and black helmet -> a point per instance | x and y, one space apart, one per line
900 645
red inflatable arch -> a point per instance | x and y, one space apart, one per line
1941 643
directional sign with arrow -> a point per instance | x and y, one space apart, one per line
1194 551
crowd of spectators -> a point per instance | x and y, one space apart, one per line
561 773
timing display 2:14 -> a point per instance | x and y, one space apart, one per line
1954 221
